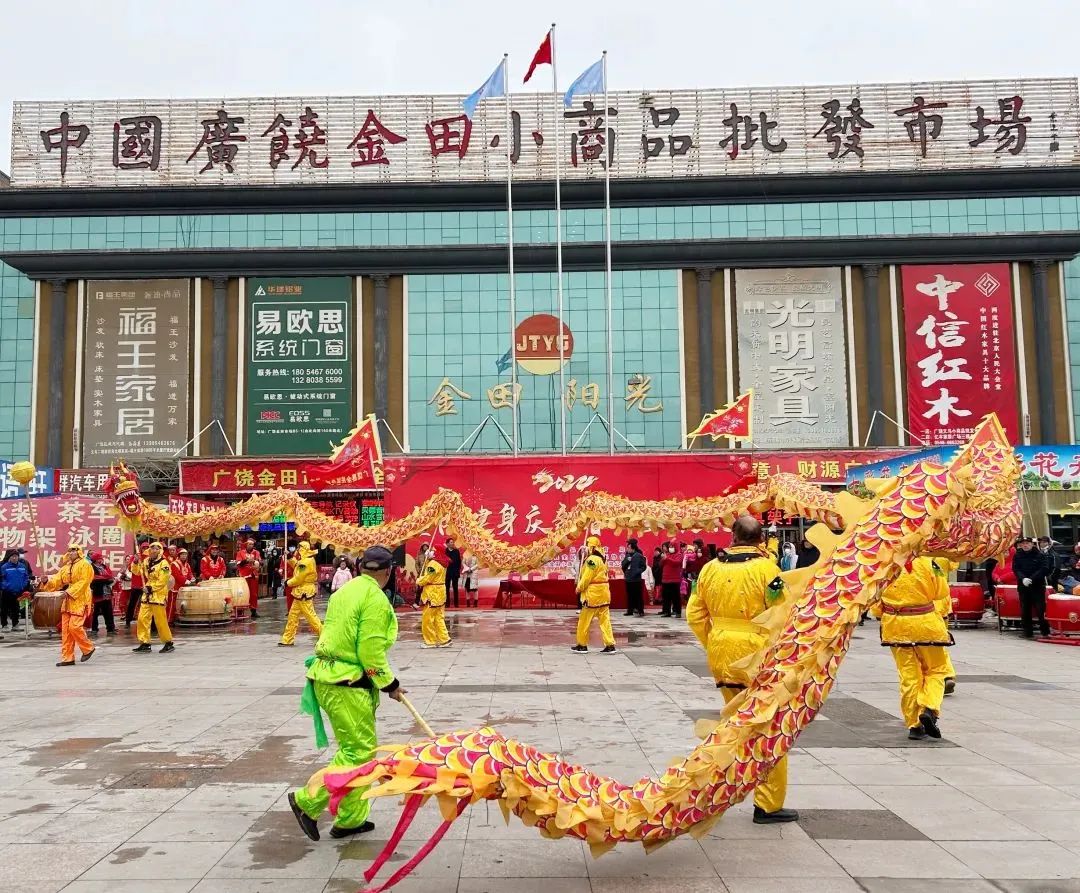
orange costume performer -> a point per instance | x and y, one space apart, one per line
74 579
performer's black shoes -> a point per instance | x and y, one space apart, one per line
142 649
167 647
610 649
778 817
89 654
916 733
254 615
307 824
285 644
337 833
66 663
929 724
580 649
950 685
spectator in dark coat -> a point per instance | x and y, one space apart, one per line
1030 567
633 568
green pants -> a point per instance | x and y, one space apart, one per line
352 717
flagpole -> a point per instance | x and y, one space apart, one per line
558 240
510 246
607 266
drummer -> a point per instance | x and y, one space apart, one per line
73 578
212 566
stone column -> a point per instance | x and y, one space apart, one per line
218 362
54 442
705 340
1040 300
875 392
382 345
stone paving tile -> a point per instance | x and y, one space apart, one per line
896 858
188 792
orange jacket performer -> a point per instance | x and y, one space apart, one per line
732 590
595 593
913 626
73 578
158 574
304 583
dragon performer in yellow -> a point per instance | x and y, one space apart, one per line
967 509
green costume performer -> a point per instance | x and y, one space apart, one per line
345 676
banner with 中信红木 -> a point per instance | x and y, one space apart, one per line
960 346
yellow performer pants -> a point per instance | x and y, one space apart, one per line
433 625
155 614
301 607
602 616
73 633
923 670
950 670
770 793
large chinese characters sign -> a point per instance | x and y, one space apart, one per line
60 521
136 378
299 365
657 134
791 353
961 365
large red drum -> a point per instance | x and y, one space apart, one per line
1008 603
1063 614
967 602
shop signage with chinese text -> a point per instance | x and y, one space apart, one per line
657 133
299 365
62 520
135 375
792 354
959 337
242 477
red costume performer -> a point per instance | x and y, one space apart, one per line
212 566
247 569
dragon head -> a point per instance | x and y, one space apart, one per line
123 486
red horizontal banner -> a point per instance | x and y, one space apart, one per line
245 476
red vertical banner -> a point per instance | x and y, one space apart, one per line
961 363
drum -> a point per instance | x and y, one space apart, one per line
1008 604
967 602
195 604
1063 614
233 589
46 610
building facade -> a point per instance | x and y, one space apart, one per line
881 265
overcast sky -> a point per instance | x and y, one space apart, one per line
73 49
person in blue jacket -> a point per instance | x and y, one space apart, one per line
14 581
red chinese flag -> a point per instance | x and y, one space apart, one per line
730 421
542 57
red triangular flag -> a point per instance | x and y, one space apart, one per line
542 57
734 421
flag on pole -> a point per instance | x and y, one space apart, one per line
356 463
542 57
493 87
734 421
591 80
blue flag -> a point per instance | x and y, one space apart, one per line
491 88
501 365
591 80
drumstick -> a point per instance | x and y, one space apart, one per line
416 715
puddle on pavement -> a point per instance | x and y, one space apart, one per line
56 753
128 854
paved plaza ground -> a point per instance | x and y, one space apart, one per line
168 773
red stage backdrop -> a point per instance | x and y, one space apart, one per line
61 520
958 322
